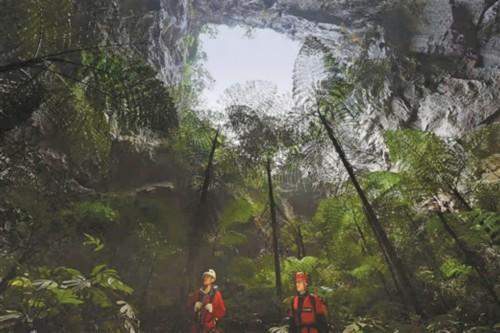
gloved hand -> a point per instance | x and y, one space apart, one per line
209 307
197 306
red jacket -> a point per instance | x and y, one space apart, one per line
205 321
308 314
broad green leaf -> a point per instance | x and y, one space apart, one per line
21 282
66 296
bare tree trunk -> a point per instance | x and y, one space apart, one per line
429 256
53 57
472 259
199 222
460 198
365 248
301 248
275 229
392 258
147 283
299 238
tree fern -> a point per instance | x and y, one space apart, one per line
320 81
310 70
47 26
432 162
128 91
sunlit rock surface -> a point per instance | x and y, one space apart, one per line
457 43
458 105
489 35
464 35
169 36
464 29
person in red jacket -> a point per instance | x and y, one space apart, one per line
308 312
207 305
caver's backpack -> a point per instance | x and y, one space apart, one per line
306 317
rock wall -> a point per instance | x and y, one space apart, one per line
444 57
169 37
453 44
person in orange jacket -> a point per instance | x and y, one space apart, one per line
308 311
207 305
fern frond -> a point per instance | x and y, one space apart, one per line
310 71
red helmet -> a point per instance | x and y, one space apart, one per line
301 277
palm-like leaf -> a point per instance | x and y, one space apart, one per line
255 114
279 329
310 71
320 83
78 283
256 95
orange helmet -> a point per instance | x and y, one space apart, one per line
301 277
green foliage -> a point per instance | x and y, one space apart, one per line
369 74
57 292
95 96
108 278
427 158
365 325
233 220
452 268
483 142
365 271
93 241
450 323
192 141
128 91
487 223
195 77
239 210
232 238
259 135
379 183
46 25
487 197
90 142
242 269
96 211
292 265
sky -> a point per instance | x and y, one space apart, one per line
233 58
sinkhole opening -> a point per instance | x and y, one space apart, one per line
238 54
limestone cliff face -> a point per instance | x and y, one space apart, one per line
445 55
463 31
453 45
31 152
169 36
433 27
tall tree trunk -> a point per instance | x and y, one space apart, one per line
461 199
366 250
148 279
199 222
472 259
393 260
301 248
299 238
429 256
275 229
